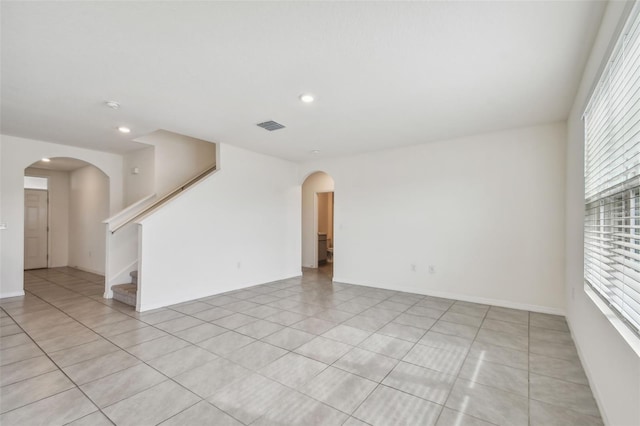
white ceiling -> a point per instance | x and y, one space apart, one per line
385 74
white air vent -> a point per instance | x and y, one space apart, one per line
271 125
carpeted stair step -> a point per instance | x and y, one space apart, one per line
125 293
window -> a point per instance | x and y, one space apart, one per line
33 182
612 180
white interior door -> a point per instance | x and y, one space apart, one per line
35 228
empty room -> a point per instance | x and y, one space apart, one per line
320 213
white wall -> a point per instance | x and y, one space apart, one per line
88 207
138 186
16 155
238 227
178 158
314 183
58 214
486 211
612 367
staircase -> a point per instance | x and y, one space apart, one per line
127 293
122 241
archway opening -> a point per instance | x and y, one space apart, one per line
66 200
317 223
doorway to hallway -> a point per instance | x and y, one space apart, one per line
324 205
65 202
317 222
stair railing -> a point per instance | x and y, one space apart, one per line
166 198
122 248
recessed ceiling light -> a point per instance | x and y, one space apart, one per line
315 151
112 104
46 160
123 129
306 98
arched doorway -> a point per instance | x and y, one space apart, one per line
66 200
317 222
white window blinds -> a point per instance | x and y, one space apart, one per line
612 179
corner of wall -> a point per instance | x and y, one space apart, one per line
611 366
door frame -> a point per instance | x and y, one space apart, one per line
312 184
315 223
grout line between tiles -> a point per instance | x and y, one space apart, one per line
77 386
324 306
61 371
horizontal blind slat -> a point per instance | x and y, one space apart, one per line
612 179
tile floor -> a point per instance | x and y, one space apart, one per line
300 351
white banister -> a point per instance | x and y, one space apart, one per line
130 211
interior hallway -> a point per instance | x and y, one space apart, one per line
299 351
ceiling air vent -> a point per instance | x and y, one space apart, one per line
271 125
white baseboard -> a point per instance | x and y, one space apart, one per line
290 275
81 268
11 294
150 306
587 371
462 297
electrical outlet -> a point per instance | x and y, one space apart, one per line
432 269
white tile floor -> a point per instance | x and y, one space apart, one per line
301 351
